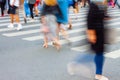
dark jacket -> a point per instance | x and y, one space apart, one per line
95 21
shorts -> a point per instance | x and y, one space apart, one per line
13 10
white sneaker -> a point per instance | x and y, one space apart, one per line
11 25
19 27
32 20
101 78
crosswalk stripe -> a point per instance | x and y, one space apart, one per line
30 26
21 33
34 38
114 54
73 39
30 31
82 48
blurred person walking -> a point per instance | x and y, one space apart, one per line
74 4
14 13
2 6
49 24
96 36
62 18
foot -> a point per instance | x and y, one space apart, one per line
32 20
57 45
36 16
19 27
70 27
45 45
100 77
10 25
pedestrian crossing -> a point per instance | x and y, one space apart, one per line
77 34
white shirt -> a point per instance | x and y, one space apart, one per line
16 3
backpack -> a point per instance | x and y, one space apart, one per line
50 2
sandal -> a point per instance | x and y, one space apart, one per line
57 45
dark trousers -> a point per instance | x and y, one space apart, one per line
2 6
99 61
31 10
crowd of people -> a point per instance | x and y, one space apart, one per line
54 14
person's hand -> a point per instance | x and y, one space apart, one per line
91 35
92 39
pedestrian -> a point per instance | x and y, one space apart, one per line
31 6
49 24
95 33
14 14
62 18
74 4
2 6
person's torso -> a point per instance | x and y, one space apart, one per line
16 3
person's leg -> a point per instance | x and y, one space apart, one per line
2 9
31 10
16 17
99 61
11 21
115 2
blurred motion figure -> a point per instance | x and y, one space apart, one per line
95 34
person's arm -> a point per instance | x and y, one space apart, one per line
91 35
13 3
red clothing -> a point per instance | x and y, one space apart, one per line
37 3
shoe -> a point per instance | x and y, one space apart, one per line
45 45
101 78
56 45
70 27
32 20
19 27
10 25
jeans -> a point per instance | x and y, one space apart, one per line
99 60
